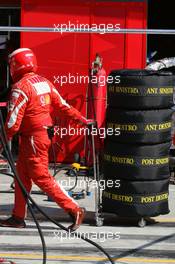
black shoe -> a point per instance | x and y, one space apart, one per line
77 217
13 221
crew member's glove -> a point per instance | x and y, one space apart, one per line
87 122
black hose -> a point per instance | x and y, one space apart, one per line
68 169
26 195
8 174
29 198
75 183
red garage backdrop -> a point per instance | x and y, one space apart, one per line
70 53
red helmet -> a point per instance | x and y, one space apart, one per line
22 61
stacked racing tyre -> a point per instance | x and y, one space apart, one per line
138 157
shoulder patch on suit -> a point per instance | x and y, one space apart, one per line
41 88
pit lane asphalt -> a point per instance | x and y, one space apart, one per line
152 244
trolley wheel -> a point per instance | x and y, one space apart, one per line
99 221
142 222
69 172
172 177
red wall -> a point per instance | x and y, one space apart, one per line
73 53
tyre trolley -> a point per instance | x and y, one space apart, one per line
98 175
98 192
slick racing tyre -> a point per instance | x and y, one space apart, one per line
140 198
141 89
148 127
136 162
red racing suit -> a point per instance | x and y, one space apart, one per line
29 114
